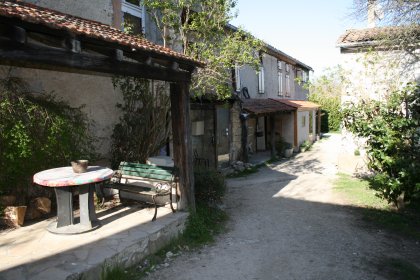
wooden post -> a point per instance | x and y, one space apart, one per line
182 146
273 135
244 139
319 122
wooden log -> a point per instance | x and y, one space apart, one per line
182 146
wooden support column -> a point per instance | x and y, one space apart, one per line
273 135
319 123
182 146
244 138
295 125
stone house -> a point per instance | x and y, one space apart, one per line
378 69
276 101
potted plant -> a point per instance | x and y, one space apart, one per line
288 149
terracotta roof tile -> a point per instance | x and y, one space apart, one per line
300 105
265 106
374 34
80 26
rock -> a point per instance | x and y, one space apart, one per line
14 215
7 200
169 254
166 264
42 204
239 163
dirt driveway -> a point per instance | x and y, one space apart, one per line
287 223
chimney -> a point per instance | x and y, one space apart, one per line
371 13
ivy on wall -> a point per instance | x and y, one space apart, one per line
37 132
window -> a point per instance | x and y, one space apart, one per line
287 85
280 77
303 121
237 78
304 76
133 16
261 85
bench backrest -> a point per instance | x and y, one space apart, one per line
163 173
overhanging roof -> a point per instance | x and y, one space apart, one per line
371 36
34 36
265 106
300 105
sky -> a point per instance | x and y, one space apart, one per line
306 29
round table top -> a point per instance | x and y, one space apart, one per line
64 176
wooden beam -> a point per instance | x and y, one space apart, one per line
182 143
273 135
57 59
73 45
119 55
18 34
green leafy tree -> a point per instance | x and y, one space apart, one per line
326 90
199 28
391 130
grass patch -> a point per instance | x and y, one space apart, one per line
377 211
357 192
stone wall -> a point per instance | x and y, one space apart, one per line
98 10
236 135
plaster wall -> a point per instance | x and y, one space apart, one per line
303 128
287 127
95 93
98 10
375 75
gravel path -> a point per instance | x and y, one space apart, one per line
287 223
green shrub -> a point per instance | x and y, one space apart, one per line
391 130
210 186
306 145
37 132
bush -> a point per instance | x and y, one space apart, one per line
391 129
37 132
305 146
210 186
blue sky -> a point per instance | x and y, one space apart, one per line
304 29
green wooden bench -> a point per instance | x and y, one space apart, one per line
157 181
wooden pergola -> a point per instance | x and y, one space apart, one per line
35 37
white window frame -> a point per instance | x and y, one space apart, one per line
237 78
288 84
280 77
134 10
261 82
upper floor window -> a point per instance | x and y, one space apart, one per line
305 76
133 16
280 77
261 85
287 84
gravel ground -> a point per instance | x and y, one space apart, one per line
287 223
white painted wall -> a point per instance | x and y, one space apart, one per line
303 130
